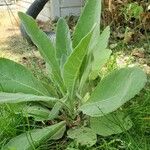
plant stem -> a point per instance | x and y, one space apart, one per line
72 106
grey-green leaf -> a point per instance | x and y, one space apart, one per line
104 38
38 112
34 138
100 58
113 123
21 97
89 16
55 111
63 39
41 113
74 62
100 53
83 135
114 90
44 45
16 78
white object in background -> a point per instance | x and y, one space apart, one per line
55 8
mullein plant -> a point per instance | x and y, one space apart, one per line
70 98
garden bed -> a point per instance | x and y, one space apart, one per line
125 53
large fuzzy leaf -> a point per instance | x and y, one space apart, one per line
55 111
34 138
113 123
84 78
89 16
103 38
100 58
83 135
63 39
100 53
16 78
21 97
44 45
38 112
41 113
114 90
74 62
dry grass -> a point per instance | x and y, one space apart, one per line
12 45
8 28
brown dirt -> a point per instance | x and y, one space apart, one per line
12 45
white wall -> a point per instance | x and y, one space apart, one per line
24 5
55 8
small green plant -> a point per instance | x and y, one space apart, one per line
74 96
132 10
